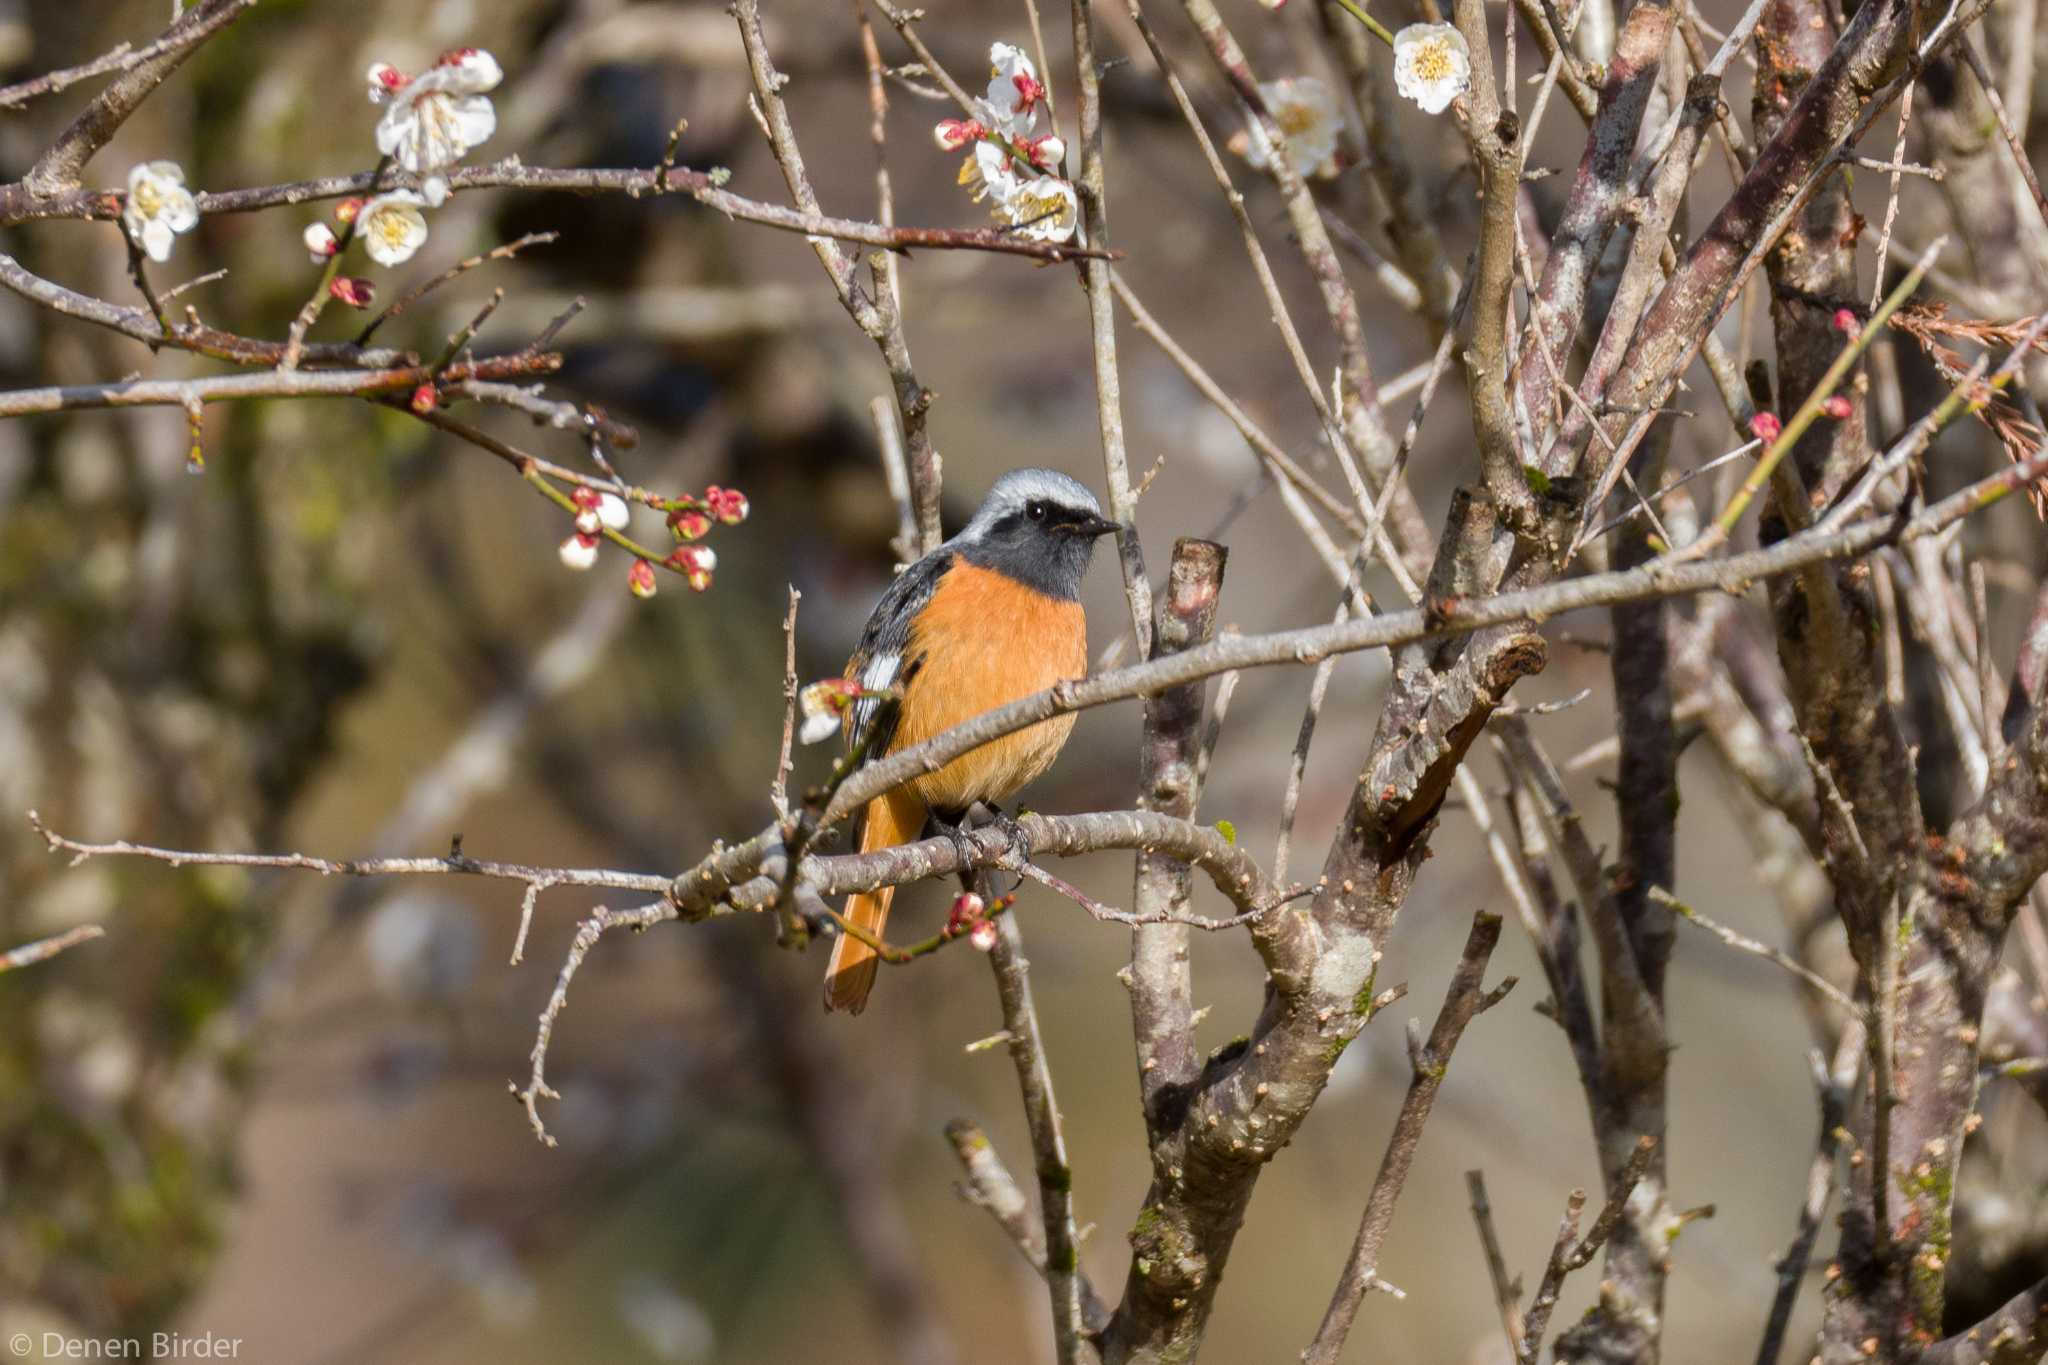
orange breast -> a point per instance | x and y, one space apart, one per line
986 641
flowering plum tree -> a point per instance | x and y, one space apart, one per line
1620 410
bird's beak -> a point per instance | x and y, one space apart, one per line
1092 527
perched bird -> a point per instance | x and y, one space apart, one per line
992 615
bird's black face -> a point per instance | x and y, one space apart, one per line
1043 542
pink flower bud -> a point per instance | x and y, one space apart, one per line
1845 322
1046 152
640 578
1029 90
983 935
687 523
695 563
729 505
1766 427
968 908
584 496
954 133
353 290
425 398
1836 406
456 56
347 209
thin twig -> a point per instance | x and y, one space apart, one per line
1735 939
1464 999
413 295
1507 1293
990 1186
42 950
778 791
1567 1255
1048 1142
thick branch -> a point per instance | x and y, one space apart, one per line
2016 1334
1162 995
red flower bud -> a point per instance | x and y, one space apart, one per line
687 523
695 563
347 209
640 578
584 496
353 290
729 505
1845 322
1766 427
425 398
1836 406
968 909
952 134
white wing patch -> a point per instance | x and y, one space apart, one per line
880 672
878 676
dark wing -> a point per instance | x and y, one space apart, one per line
881 659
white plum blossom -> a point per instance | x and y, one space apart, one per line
1432 65
824 705
612 513
158 208
1014 154
392 227
1043 208
1015 103
431 120
989 172
321 243
1307 115
818 726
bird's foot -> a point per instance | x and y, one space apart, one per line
1017 844
956 833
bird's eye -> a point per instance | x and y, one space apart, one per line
1035 510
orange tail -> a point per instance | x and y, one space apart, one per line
893 819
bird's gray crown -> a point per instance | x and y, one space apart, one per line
1019 488
1037 526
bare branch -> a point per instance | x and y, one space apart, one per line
1465 998
59 168
42 950
1048 1143
991 1186
1162 994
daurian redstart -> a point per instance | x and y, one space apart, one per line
992 615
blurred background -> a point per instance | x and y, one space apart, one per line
273 1107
